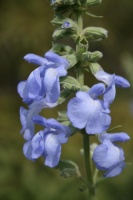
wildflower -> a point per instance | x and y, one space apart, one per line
111 80
66 25
44 80
27 115
47 142
108 156
87 111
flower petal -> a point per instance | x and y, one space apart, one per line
96 90
21 87
34 84
51 85
99 119
61 70
109 95
40 120
26 118
38 145
106 155
105 77
116 170
78 109
27 150
121 82
27 123
53 125
62 138
55 58
35 59
52 150
114 137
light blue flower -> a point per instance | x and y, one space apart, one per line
111 80
27 115
114 137
108 156
47 143
87 111
66 25
44 80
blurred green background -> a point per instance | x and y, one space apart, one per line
25 27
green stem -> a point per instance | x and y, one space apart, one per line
80 22
88 167
80 78
79 73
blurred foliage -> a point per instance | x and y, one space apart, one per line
25 27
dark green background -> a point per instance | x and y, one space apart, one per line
25 27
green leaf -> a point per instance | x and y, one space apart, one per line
94 67
92 15
58 20
70 83
85 88
93 2
62 50
91 56
114 128
72 59
81 48
61 33
62 116
65 31
93 34
95 56
68 169
63 96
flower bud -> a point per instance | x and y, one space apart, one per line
62 2
95 56
94 33
68 29
93 2
94 67
58 20
91 56
66 25
62 49
82 47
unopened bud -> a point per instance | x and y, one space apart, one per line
94 33
93 2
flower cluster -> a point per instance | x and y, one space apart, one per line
87 111
42 90
49 85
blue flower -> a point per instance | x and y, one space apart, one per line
44 80
47 143
66 25
111 80
26 116
108 156
87 111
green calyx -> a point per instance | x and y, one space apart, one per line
93 34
